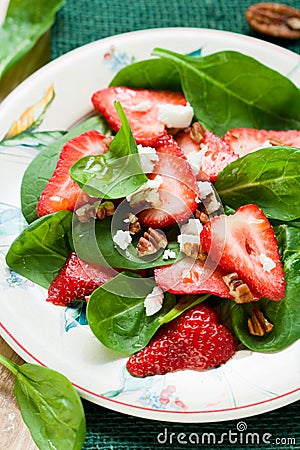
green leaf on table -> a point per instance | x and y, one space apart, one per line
25 23
50 406
230 90
119 320
116 173
269 177
93 242
42 248
42 167
284 315
149 74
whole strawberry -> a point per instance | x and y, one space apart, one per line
196 340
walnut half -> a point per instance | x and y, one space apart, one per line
258 325
274 19
237 288
152 241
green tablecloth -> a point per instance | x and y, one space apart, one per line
80 22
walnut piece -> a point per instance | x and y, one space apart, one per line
152 241
94 210
202 216
134 224
197 132
258 325
237 288
274 19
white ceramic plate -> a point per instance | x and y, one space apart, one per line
250 383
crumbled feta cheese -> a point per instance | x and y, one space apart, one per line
154 301
169 254
205 188
142 106
122 239
148 193
189 239
175 116
267 263
148 156
193 226
208 197
195 159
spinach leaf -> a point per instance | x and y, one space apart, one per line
230 90
149 74
25 23
269 177
93 242
42 248
50 406
116 173
284 315
42 167
119 320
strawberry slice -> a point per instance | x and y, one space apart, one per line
61 192
245 243
246 140
215 153
196 340
140 107
178 189
192 277
76 280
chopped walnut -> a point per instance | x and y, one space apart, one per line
134 224
194 250
275 142
94 210
202 216
105 209
197 132
151 242
237 288
258 325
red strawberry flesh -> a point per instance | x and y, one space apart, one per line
246 140
195 340
61 192
145 126
241 243
216 153
192 277
178 191
76 280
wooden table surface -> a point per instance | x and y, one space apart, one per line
14 435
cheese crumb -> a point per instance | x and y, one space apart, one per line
147 193
169 254
175 116
154 301
190 234
142 106
267 263
148 156
195 159
208 197
122 239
